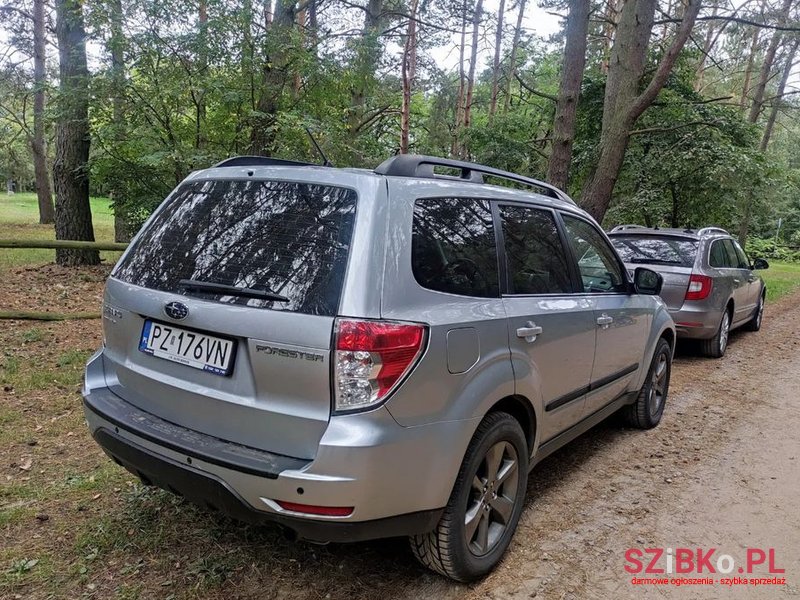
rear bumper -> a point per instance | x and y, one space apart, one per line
397 479
696 320
213 493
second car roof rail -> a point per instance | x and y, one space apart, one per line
261 161
626 227
418 165
706 230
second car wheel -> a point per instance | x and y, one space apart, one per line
485 504
754 324
716 346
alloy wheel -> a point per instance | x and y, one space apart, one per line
723 332
493 495
658 384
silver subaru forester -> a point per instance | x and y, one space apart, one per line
359 354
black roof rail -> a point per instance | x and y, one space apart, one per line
418 165
261 161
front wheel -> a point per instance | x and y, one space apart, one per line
484 508
754 324
646 412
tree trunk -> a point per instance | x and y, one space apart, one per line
274 77
476 25
455 148
748 72
498 46
70 169
707 45
408 68
569 90
776 102
622 106
123 230
199 93
512 61
368 54
766 66
38 145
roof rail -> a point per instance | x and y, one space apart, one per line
626 227
417 165
706 230
261 161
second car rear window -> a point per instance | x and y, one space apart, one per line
290 238
655 250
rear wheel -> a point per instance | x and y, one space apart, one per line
716 346
646 412
754 324
485 505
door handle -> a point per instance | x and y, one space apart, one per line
529 332
604 320
736 281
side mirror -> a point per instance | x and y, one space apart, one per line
647 281
760 263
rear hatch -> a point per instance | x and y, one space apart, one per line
240 365
672 256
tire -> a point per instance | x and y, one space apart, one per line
716 346
492 510
646 412
754 324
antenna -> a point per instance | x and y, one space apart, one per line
325 161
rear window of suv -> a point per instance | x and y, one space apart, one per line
660 250
289 238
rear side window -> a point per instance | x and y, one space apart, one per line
639 249
453 247
731 259
289 238
718 258
535 257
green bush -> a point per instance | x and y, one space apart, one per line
767 248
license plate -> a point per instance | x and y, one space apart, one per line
191 348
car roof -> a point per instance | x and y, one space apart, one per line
674 232
402 168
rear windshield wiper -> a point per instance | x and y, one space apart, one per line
660 261
230 290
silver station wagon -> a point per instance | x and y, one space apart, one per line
359 354
710 285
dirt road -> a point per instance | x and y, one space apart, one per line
722 471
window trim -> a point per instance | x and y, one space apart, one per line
628 285
505 285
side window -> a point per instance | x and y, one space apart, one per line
744 262
535 258
453 247
717 257
731 258
599 266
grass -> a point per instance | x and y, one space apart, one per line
19 219
782 278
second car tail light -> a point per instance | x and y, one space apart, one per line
371 358
699 287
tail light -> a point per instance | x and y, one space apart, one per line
372 357
699 287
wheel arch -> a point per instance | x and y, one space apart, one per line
522 410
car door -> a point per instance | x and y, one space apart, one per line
753 282
551 330
738 280
622 319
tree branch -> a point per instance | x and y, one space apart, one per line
739 20
675 128
534 91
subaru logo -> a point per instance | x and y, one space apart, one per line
176 310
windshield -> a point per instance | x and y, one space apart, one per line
655 250
289 238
